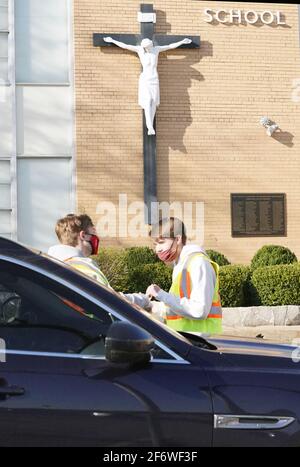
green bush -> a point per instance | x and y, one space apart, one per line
121 267
272 255
113 263
218 258
141 277
233 285
277 285
134 269
138 256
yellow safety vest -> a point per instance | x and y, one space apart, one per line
182 287
89 268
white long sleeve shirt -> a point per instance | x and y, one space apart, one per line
203 278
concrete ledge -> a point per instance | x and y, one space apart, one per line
281 334
261 316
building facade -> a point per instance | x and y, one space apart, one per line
71 135
37 133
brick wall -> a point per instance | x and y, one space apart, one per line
209 141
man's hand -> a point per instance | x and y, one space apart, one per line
107 39
187 41
139 299
153 290
158 311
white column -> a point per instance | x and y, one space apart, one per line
12 80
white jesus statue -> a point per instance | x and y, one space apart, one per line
149 82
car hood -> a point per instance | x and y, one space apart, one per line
254 346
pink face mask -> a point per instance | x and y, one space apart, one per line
167 256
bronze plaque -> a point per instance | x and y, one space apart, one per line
258 215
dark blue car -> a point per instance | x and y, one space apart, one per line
79 366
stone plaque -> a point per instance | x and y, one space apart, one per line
258 215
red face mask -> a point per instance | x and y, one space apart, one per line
94 241
167 256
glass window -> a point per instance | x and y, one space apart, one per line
39 315
44 195
3 45
5 223
5 196
3 15
42 41
3 58
44 120
5 119
4 171
3 42
3 70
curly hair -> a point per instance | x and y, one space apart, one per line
69 227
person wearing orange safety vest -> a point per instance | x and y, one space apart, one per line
193 302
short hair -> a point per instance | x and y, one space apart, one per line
69 227
169 228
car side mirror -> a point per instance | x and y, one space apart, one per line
127 343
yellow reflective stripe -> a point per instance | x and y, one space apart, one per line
89 270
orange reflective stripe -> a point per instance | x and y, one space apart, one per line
185 284
182 317
215 311
216 303
188 284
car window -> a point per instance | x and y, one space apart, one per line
39 316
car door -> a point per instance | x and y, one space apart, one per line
256 394
57 389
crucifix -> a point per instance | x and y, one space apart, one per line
147 46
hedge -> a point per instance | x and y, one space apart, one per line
218 258
113 263
141 277
134 269
233 285
277 285
272 255
122 267
137 256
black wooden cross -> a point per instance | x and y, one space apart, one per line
149 142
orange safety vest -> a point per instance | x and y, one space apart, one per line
182 287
